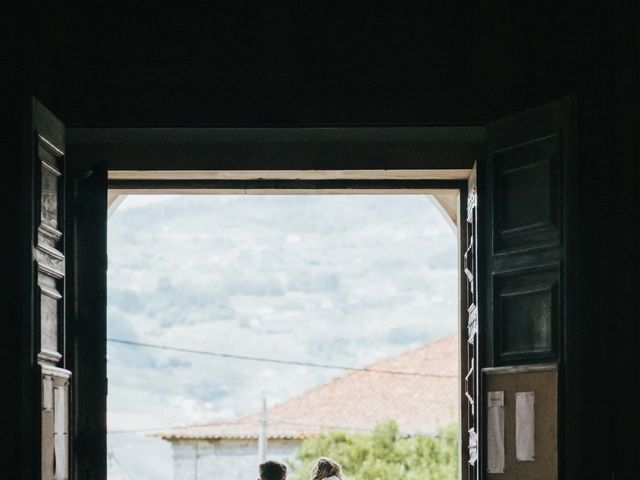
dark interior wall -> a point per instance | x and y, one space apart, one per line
246 64
15 345
624 156
297 63
250 63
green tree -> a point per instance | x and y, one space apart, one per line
383 454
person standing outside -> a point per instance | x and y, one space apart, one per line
326 469
272 470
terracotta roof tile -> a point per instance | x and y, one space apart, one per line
358 400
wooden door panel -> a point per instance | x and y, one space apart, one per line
521 255
526 195
522 217
526 313
48 135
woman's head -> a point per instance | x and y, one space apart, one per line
325 468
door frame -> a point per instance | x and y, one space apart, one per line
316 160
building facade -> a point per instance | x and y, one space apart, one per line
417 389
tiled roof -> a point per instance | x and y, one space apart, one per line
358 401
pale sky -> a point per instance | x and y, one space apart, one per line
341 279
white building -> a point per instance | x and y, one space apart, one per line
420 402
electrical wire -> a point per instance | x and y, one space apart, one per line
275 360
115 460
265 360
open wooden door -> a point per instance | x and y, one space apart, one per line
521 237
49 371
60 260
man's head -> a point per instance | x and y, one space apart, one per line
272 470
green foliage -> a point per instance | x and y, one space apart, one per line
383 454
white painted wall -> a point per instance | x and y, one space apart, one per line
225 459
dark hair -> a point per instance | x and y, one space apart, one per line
325 468
272 470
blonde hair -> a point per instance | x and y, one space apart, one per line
325 468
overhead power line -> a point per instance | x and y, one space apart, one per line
112 456
275 360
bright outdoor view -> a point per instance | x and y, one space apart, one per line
282 327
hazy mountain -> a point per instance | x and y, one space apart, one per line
324 279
